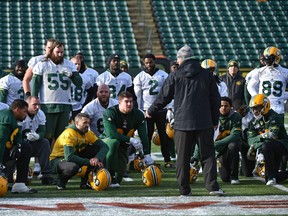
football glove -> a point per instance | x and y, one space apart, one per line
32 136
169 115
148 160
67 72
15 151
136 144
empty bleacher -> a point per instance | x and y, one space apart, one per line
223 29
96 28
219 29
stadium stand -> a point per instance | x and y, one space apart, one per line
96 28
222 29
219 29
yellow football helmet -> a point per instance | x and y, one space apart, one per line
193 174
82 171
152 176
156 138
209 64
271 55
260 100
100 179
139 164
169 131
259 170
3 186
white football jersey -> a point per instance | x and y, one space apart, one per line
92 74
33 124
272 82
222 88
14 87
3 106
95 111
147 87
34 60
79 94
56 87
116 84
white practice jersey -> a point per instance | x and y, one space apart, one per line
14 87
79 94
33 124
56 87
147 87
34 60
116 84
3 106
272 82
222 88
92 74
95 111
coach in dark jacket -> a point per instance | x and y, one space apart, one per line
196 111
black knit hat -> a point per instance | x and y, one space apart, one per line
113 56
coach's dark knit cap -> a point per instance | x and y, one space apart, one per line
185 52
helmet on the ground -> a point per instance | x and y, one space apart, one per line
3 186
100 179
271 55
260 100
152 176
156 138
139 163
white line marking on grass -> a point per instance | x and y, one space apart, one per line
279 186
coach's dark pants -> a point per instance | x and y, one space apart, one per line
185 141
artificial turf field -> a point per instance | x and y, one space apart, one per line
250 197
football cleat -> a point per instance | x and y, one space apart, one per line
82 171
99 179
169 131
260 100
3 186
156 138
271 55
152 176
193 174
